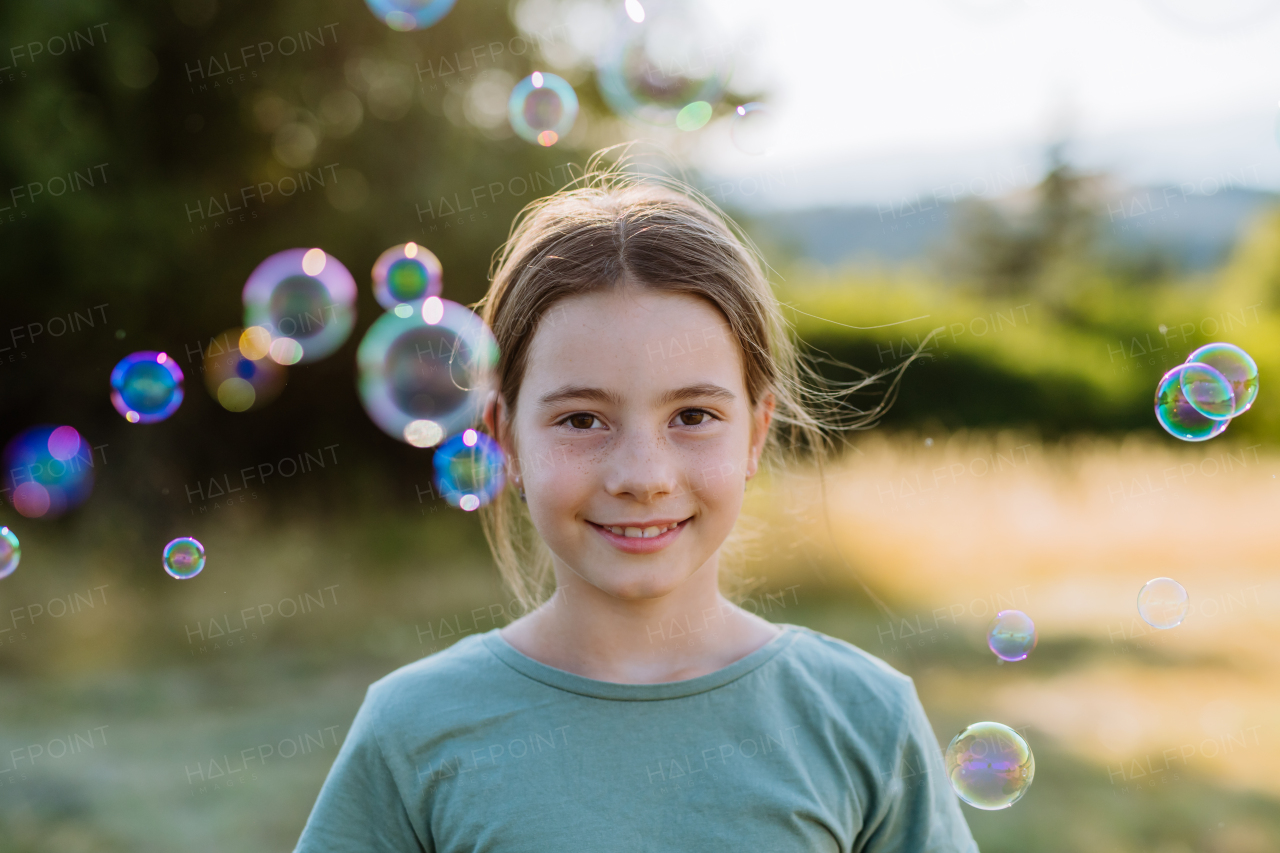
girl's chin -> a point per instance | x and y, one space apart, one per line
628 584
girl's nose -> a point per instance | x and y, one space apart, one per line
642 466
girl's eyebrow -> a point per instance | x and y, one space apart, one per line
565 393
577 392
702 390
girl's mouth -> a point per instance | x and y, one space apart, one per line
641 537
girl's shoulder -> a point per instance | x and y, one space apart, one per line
847 672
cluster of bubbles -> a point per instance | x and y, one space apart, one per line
421 371
661 63
990 766
666 65
1197 399
1163 603
47 470
663 66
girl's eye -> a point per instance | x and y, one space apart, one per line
694 417
580 421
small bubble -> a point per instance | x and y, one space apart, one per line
928 442
542 108
119 334
1163 603
183 558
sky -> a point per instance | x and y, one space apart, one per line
874 100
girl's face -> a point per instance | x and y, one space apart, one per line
633 437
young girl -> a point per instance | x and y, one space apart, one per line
645 369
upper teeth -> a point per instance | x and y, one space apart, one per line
646 533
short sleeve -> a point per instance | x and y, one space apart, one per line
360 808
918 812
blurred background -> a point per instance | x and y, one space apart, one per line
1069 197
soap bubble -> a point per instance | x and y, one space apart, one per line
1240 370
990 766
183 558
1163 603
64 443
470 469
306 299
1208 391
406 15
753 129
654 69
406 275
10 552
146 387
694 116
542 108
41 479
1012 635
1175 412
422 380
240 383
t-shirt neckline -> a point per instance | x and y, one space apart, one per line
584 686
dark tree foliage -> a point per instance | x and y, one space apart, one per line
153 152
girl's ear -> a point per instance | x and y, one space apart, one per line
761 419
495 421
492 414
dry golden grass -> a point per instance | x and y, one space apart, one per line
1070 533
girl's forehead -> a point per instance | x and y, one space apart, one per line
633 330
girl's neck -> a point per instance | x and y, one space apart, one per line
691 632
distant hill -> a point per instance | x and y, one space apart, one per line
1194 230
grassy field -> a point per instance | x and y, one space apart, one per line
1151 741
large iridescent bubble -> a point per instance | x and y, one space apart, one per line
406 15
670 68
146 387
470 469
424 375
305 299
10 552
1012 635
406 275
238 371
1176 413
1238 368
47 471
1163 603
542 108
990 766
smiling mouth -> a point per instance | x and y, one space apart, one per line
641 539
649 532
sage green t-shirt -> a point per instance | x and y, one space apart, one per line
807 744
